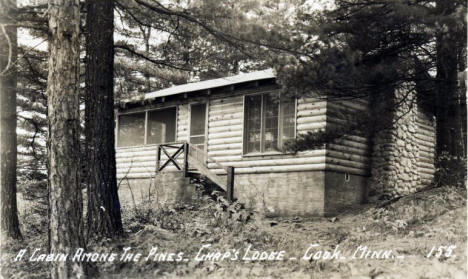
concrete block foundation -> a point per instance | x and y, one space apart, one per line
307 193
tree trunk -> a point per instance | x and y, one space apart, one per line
104 217
65 198
8 56
449 133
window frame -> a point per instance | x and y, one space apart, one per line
118 129
262 128
175 124
146 111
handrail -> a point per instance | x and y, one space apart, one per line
192 157
198 150
204 170
170 158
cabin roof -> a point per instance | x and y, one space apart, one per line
204 85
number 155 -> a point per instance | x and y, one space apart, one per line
441 251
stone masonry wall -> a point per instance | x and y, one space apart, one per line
394 163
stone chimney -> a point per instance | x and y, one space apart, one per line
401 130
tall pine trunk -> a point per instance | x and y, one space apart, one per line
8 85
104 217
65 198
448 109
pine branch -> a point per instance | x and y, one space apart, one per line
152 60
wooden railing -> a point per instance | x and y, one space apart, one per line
195 158
180 148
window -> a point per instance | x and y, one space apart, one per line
271 120
253 126
269 123
161 126
197 125
131 129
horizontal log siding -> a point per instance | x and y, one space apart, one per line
349 153
225 125
311 115
136 162
182 122
425 138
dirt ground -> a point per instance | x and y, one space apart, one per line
398 238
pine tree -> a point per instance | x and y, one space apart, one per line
8 152
104 217
65 198
363 48
188 41
449 98
32 106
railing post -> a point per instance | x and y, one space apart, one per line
186 152
158 157
230 184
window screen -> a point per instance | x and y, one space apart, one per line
253 117
131 129
270 120
197 125
161 126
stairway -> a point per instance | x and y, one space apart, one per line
194 165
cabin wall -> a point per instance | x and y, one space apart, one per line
225 140
306 183
281 184
297 193
182 122
139 162
136 162
348 153
343 191
167 187
426 140
347 157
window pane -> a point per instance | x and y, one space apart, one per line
288 113
131 129
271 109
252 123
161 126
197 119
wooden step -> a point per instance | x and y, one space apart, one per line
207 172
209 185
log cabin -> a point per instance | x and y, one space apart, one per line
232 131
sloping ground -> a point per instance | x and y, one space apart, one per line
410 227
